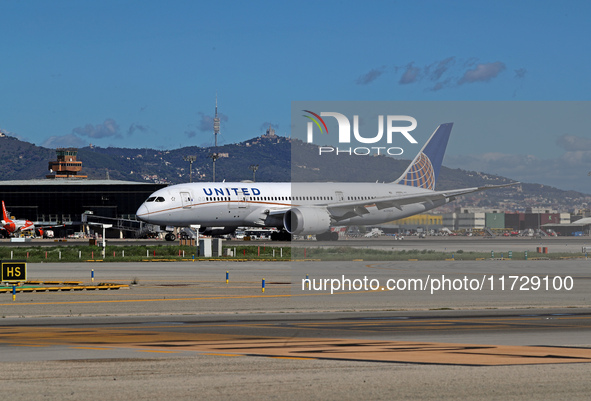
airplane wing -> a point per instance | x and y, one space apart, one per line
346 210
44 225
277 212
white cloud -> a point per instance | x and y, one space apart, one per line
483 72
573 143
64 141
371 76
265 126
411 74
437 69
206 122
137 127
520 73
446 73
109 128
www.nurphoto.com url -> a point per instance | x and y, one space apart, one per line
433 284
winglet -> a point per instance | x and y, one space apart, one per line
424 169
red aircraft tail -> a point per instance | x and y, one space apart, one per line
4 214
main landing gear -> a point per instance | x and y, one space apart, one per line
281 236
327 236
170 237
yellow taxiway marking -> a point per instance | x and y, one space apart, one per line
401 326
292 357
147 300
202 298
297 348
157 351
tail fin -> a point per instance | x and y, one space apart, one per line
4 214
424 169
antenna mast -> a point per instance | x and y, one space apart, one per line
216 122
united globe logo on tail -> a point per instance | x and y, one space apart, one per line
421 174
424 169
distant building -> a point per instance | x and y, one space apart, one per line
578 227
539 210
474 218
270 133
495 220
412 223
66 165
468 218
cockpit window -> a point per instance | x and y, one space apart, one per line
160 199
151 199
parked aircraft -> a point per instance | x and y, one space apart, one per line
305 208
11 227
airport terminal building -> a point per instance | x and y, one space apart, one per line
68 198
65 201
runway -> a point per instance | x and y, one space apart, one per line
467 244
182 329
442 244
373 337
328 356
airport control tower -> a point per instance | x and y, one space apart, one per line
66 165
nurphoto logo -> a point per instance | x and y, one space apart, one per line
344 133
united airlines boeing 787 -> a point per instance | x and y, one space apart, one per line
305 208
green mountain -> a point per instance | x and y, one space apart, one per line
278 159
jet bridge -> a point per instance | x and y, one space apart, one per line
138 228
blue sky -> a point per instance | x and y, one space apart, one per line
146 73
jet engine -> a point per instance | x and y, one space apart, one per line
306 220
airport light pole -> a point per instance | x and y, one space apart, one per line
214 157
105 226
254 168
190 159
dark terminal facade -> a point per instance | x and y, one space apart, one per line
64 201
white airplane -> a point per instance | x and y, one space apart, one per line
305 208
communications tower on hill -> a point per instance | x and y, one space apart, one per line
216 122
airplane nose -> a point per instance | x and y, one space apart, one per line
142 212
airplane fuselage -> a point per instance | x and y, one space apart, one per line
15 226
255 204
